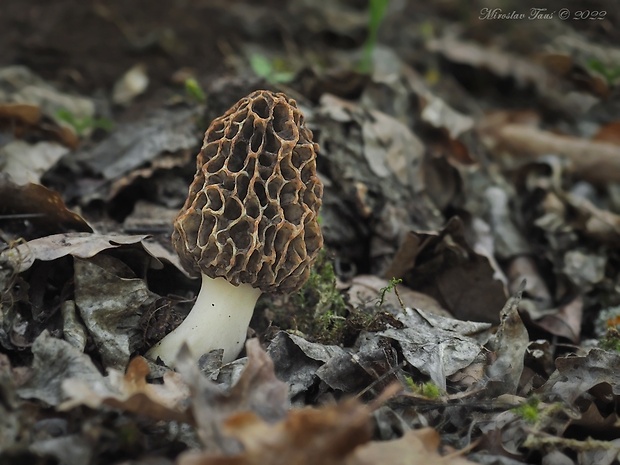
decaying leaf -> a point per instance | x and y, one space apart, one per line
111 301
135 144
130 392
54 361
376 164
297 360
256 390
9 419
443 265
508 348
304 437
576 375
597 162
435 345
366 289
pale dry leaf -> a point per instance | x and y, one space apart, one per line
131 84
54 361
594 222
524 267
25 163
130 392
82 245
415 447
366 289
111 304
390 147
436 345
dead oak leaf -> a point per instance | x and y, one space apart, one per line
304 437
131 393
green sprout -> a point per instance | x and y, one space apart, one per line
610 73
429 389
81 125
528 410
389 288
376 11
194 90
274 71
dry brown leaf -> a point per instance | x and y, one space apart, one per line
20 112
524 267
415 447
594 222
44 207
26 163
566 322
305 437
24 118
597 162
443 265
609 133
131 393
508 348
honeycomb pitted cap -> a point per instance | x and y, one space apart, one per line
251 213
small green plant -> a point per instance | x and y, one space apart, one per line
429 389
376 12
389 288
611 340
528 410
194 90
610 73
81 125
274 71
322 302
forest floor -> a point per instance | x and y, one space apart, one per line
465 307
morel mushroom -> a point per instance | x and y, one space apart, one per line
249 224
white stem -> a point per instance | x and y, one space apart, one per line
219 320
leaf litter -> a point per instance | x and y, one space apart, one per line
468 310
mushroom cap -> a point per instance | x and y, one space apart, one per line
251 213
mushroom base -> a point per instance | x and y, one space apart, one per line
219 320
